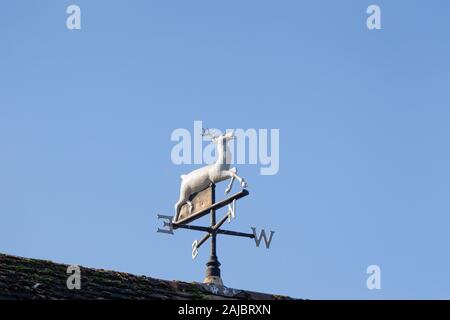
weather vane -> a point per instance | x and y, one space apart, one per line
198 199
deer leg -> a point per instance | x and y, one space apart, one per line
233 174
241 180
243 183
189 203
230 185
178 206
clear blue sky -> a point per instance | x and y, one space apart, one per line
364 119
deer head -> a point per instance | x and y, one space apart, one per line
218 138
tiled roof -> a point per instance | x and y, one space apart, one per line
23 278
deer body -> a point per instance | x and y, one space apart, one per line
202 178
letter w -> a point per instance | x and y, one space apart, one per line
262 235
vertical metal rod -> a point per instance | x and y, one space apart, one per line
213 265
213 223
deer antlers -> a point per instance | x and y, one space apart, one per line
206 132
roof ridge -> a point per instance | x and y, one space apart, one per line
30 278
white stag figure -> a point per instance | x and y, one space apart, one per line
202 178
